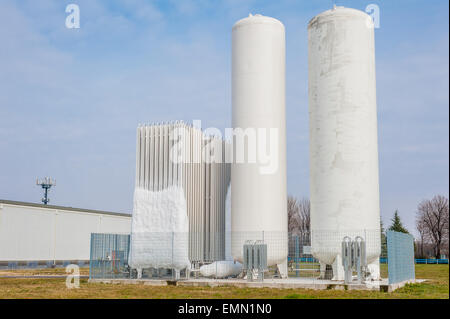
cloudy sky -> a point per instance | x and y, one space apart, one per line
71 99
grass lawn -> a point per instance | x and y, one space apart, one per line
436 287
84 271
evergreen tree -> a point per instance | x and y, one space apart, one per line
397 224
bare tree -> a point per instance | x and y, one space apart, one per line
293 215
305 215
421 228
298 215
433 217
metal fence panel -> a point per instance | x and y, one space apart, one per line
110 252
301 262
109 256
400 257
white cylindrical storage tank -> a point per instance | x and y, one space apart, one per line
258 198
343 135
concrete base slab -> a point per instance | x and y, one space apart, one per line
289 283
392 287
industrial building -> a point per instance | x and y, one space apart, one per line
46 234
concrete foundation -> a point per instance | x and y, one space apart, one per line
290 283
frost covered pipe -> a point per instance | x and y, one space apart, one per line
221 269
343 161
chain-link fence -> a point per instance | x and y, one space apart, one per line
301 262
166 255
109 256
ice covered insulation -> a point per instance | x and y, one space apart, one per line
159 229
221 269
162 183
343 161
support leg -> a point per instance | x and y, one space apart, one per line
338 269
323 269
374 270
283 269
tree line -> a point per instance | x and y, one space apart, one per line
432 224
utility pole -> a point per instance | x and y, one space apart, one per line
46 184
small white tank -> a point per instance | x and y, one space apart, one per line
344 185
258 198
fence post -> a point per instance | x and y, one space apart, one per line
128 255
90 257
297 257
173 269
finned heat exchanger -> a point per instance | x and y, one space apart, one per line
179 203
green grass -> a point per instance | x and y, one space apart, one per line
437 286
84 271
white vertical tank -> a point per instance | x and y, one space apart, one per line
343 135
258 198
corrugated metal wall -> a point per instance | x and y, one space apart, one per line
200 169
51 233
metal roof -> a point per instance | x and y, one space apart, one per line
73 209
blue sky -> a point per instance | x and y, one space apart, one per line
70 99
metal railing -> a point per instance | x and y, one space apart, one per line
426 261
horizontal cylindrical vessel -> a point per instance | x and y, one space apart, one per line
258 198
343 133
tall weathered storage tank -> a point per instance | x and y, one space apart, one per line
258 193
343 135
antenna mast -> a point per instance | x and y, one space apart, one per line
46 184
